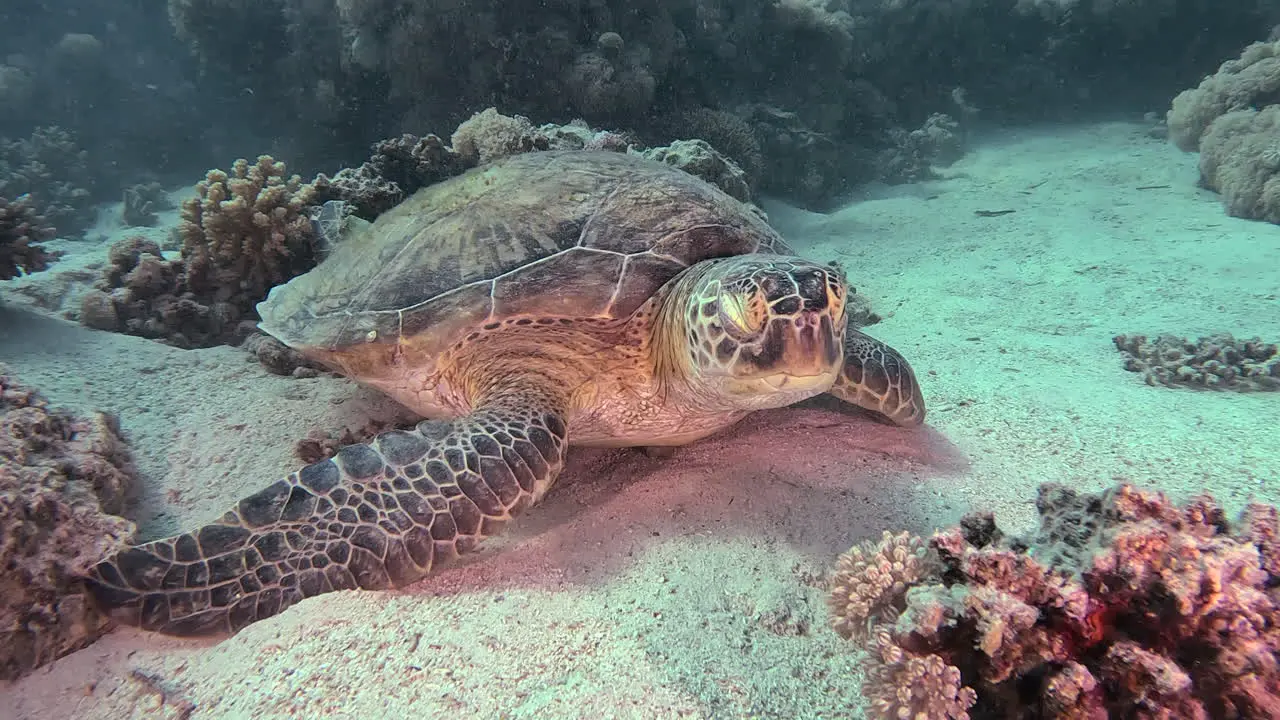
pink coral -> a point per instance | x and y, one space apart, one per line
1122 605
871 579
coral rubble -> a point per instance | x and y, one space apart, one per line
63 479
1122 604
21 232
1216 361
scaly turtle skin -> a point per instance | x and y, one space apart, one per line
587 297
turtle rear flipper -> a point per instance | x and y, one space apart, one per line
375 516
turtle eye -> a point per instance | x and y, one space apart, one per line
742 314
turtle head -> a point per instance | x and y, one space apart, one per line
765 331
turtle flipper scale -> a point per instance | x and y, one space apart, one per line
876 377
377 515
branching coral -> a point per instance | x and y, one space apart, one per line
871 582
52 169
1123 604
21 232
1216 361
247 231
62 481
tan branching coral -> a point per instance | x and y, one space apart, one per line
871 580
62 479
247 231
1123 604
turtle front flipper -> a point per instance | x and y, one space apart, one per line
375 516
877 378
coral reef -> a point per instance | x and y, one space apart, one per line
1240 160
1216 361
489 135
911 159
21 232
141 293
400 166
62 482
1250 81
725 131
397 168
855 73
140 203
1122 604
611 81
1233 119
802 163
51 168
245 232
16 88
697 157
578 135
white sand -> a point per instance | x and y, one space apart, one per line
691 587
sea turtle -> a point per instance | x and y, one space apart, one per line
549 299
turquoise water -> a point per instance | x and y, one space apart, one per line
995 191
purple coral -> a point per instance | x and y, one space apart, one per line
1122 605
62 479
21 233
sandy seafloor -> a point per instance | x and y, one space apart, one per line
692 586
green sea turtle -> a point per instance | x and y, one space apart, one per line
554 298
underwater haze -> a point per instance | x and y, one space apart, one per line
700 359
